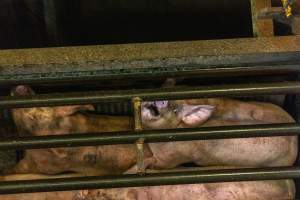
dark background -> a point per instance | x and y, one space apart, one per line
44 23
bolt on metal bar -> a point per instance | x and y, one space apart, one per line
206 176
151 136
151 94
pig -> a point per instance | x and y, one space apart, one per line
254 152
254 190
279 151
98 160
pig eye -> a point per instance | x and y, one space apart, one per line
161 104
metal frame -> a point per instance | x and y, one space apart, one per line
257 55
144 179
196 58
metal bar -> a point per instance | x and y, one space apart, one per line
151 94
209 176
151 136
77 64
178 70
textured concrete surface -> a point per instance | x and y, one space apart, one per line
130 52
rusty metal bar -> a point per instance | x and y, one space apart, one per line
206 176
151 94
150 136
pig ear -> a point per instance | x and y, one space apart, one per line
21 90
60 152
69 110
195 114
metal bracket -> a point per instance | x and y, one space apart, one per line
140 157
137 102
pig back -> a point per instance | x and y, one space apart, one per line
274 151
112 159
257 152
232 109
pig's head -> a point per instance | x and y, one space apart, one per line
43 120
170 114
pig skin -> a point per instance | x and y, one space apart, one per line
96 160
255 190
239 110
257 152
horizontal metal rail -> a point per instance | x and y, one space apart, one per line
151 136
151 94
152 60
207 176
189 70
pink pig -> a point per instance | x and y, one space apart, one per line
256 152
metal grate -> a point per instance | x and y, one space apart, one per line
150 136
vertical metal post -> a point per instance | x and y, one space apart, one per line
261 27
137 103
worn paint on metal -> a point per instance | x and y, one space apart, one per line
261 27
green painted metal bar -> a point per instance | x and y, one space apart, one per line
151 136
151 94
207 176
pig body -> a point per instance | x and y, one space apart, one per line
263 151
96 160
